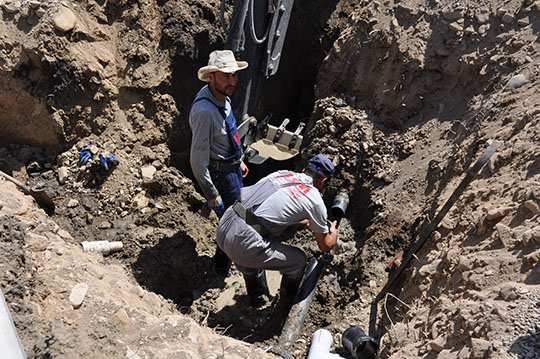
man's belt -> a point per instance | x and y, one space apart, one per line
223 166
250 219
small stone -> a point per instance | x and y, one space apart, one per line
454 26
72 203
141 201
535 234
159 205
501 12
147 173
452 15
64 234
508 292
505 233
34 3
532 206
494 59
498 213
523 21
517 81
483 29
526 238
62 174
406 8
469 30
437 344
11 8
64 20
77 295
482 18
25 11
507 18
40 11
480 348
484 70
104 224
329 111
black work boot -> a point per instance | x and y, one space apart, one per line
257 289
221 263
289 287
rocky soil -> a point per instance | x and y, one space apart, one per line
404 96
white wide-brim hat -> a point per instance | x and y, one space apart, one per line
221 60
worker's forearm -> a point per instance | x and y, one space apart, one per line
327 241
202 175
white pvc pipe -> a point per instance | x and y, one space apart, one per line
10 346
321 341
103 247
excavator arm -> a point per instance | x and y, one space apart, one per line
257 34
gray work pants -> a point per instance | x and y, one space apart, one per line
251 252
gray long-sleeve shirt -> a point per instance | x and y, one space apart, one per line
210 139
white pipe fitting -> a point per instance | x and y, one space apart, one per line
10 345
103 247
321 341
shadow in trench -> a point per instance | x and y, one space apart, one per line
175 270
526 346
243 322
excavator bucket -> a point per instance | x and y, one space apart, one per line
267 141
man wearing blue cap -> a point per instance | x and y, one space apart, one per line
249 232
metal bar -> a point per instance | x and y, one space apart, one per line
471 173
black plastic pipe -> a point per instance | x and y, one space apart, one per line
293 326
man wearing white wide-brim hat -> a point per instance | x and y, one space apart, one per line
216 151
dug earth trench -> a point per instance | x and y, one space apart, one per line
403 96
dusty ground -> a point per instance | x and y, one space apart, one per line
403 96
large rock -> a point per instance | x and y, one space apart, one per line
64 20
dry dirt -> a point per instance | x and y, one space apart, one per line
404 96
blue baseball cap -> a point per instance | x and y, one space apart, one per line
322 164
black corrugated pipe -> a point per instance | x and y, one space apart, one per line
293 325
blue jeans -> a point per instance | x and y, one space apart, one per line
228 185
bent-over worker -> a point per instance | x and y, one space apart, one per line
249 231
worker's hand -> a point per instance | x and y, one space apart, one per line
106 160
303 223
216 204
244 169
327 241
86 154
333 231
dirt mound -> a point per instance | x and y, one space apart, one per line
403 97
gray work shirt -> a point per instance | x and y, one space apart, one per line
209 140
284 198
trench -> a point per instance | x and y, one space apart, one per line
169 260
288 94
